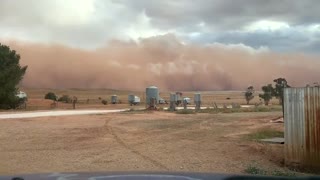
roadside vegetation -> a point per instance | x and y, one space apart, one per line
255 170
231 110
264 134
136 111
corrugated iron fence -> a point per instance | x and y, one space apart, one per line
302 127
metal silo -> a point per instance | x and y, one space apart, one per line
130 98
114 99
197 97
173 100
173 97
152 92
197 100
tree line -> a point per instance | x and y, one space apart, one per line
269 91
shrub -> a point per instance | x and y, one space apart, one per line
255 170
185 111
50 95
105 102
65 98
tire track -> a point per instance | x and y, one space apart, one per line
122 143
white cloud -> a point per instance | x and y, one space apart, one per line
266 25
92 23
315 28
141 28
239 47
70 12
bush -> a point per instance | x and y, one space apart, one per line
255 170
65 99
105 102
50 95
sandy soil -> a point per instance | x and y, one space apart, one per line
127 141
35 114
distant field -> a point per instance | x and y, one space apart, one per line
89 98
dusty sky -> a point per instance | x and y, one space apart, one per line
185 45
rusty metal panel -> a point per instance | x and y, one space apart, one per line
302 126
312 126
294 120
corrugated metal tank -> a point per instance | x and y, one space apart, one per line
178 97
302 127
173 97
197 97
152 92
114 99
131 98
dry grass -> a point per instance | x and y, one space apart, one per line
157 141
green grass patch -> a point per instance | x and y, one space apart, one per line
136 111
283 173
185 111
254 170
239 110
264 134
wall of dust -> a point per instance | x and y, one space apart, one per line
163 61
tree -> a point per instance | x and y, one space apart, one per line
268 92
50 95
249 94
11 73
281 83
65 99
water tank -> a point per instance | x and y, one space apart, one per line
178 96
173 97
152 92
114 99
197 97
131 98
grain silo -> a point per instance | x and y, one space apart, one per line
197 100
152 94
130 99
173 100
114 99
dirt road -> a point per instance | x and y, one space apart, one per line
129 141
56 113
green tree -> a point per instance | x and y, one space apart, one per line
11 73
50 95
267 95
249 94
281 83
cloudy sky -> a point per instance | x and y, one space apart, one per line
174 44
277 25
